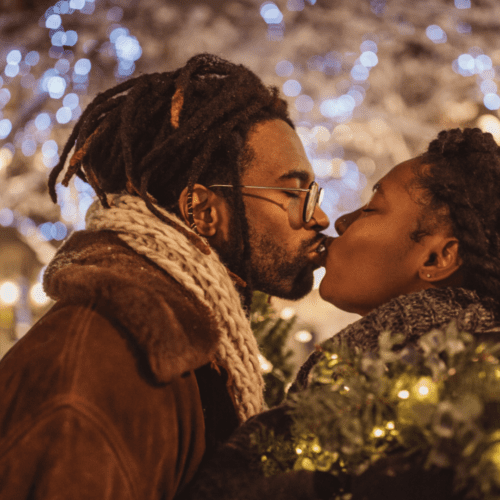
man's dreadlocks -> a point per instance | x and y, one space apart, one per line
158 133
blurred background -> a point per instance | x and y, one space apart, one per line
369 83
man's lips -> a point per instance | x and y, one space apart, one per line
318 253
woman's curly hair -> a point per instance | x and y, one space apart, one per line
158 133
462 180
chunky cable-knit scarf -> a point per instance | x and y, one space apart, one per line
203 275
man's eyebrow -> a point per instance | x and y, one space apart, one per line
301 175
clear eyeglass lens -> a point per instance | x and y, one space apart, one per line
321 195
312 199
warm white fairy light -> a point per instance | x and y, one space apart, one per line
404 394
303 336
287 313
9 293
38 296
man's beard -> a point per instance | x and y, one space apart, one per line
274 273
271 270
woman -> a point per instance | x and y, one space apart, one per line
425 250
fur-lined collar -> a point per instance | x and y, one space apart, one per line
175 331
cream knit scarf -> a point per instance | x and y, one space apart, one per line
203 275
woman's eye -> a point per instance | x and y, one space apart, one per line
368 210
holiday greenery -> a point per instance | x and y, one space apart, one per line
272 333
436 404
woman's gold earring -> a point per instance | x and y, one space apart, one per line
428 275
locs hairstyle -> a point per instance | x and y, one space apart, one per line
158 133
463 182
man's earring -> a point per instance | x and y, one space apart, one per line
428 275
190 212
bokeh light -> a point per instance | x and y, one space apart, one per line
5 128
38 296
9 293
436 34
271 13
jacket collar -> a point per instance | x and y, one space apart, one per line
168 324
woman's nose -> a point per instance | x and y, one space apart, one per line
342 223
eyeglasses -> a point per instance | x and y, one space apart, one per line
313 199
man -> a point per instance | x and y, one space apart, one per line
147 361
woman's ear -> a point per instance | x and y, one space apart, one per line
205 209
442 260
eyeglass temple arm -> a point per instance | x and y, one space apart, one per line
259 187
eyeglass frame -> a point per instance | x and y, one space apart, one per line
319 195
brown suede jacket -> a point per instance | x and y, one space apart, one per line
112 394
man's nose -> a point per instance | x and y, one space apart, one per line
319 221
342 223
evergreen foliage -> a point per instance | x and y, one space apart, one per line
272 333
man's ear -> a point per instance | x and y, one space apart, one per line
205 210
442 260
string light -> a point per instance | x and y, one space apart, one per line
9 293
38 296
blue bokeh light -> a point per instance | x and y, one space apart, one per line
125 68
368 59
56 87
356 95
82 66
62 65
368 46
32 58
28 147
436 34
304 103
488 87
11 70
284 68
466 62
42 121
71 101
271 13
483 63
4 97
63 115
53 21
49 148
492 101
71 38
462 4
59 231
14 57
5 128
128 48
58 39
77 4
6 217
342 105
46 231
292 88
116 33
359 72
